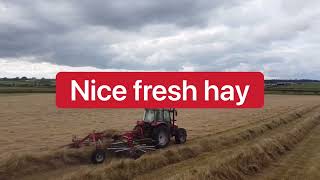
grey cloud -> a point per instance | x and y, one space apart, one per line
206 35
127 14
45 20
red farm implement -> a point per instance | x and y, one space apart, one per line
151 133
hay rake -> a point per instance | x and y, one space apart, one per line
153 132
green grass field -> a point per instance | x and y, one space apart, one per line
27 86
27 90
311 88
48 86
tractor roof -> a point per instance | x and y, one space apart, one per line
158 109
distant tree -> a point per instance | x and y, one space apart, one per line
24 78
16 78
44 82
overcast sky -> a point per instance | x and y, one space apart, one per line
280 38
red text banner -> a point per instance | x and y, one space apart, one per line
159 90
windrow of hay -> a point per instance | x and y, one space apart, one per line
127 169
252 159
24 164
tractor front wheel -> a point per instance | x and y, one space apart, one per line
180 136
161 135
98 156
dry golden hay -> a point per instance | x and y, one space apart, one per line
24 164
252 159
257 155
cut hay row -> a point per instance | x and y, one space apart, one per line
127 169
25 164
252 159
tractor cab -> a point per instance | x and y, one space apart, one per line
160 116
159 124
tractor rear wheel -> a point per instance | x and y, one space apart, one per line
98 156
161 135
180 136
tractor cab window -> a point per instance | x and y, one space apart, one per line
166 116
159 115
156 115
149 115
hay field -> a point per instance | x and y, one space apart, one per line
31 124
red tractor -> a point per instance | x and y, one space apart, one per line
159 125
154 131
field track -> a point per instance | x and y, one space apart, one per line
301 163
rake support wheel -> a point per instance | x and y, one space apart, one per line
98 156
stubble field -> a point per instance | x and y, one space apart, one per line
219 140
